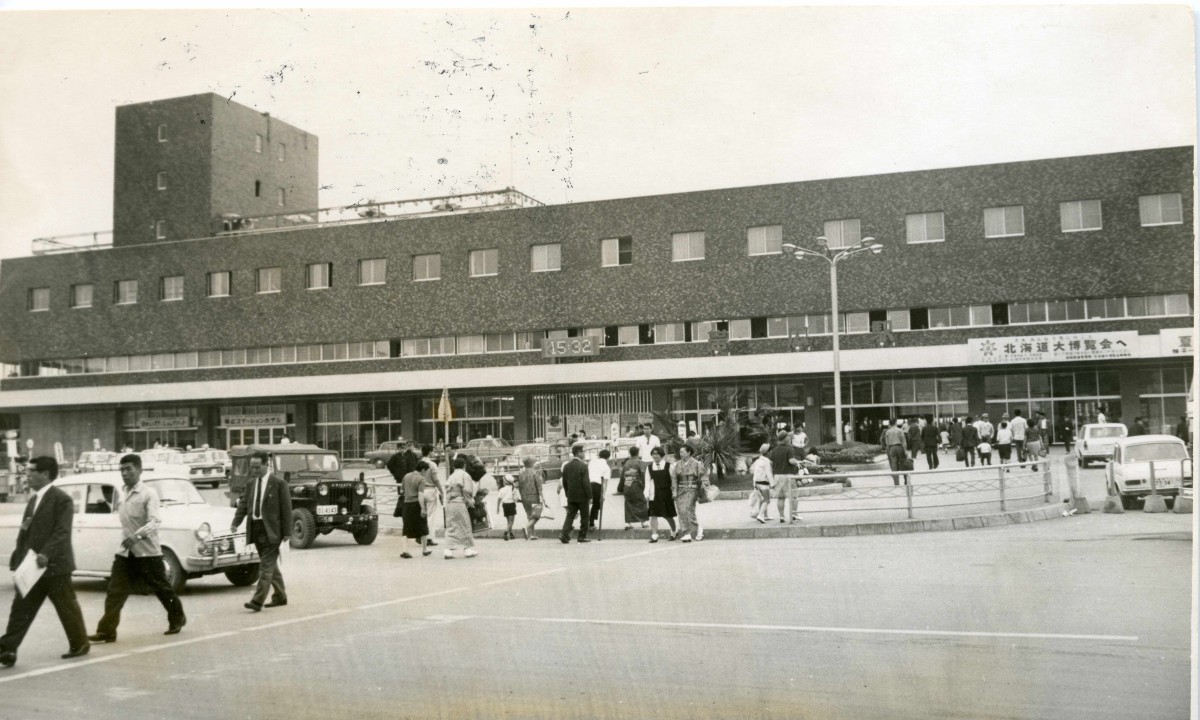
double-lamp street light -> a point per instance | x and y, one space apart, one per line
833 257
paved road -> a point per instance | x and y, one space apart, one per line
1077 618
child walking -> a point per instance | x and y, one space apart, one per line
506 501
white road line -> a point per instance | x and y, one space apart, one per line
817 629
644 552
439 593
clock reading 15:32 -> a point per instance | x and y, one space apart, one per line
571 347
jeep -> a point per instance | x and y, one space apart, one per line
322 500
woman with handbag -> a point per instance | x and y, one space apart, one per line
687 478
1035 443
658 492
416 524
633 477
529 487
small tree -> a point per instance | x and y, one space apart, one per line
721 447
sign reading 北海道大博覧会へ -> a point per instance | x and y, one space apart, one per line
1053 348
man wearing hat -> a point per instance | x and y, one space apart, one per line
760 471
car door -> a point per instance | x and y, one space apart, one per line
97 525
1118 468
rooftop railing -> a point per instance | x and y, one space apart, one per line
79 242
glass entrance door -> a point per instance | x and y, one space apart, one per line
253 435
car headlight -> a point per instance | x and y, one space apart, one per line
203 532
360 488
322 489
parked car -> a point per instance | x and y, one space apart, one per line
322 500
548 458
1095 441
487 449
162 456
97 460
384 452
194 535
620 448
1133 458
207 466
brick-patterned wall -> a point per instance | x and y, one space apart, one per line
1123 258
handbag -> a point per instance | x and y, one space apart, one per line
535 512
905 464
961 455
710 492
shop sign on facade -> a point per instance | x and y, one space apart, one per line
1176 341
257 420
1064 347
164 423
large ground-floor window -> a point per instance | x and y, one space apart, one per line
475 417
870 402
595 414
168 426
255 424
1163 392
352 427
1065 396
701 407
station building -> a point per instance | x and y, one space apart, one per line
226 307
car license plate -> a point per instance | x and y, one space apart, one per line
327 509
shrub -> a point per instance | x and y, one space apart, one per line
849 452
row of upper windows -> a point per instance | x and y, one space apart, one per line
259 143
905 319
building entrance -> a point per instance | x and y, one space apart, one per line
254 435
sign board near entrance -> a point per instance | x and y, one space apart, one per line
1052 348
164 423
571 347
254 420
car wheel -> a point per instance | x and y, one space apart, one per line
366 534
304 529
174 570
1082 463
379 463
243 575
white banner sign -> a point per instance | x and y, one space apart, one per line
1176 341
1053 348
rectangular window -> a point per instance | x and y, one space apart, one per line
627 335
842 233
856 322
267 280
39 299
162 132
1165 209
1177 304
209 358
372 272
939 317
139 363
698 331
81 295
499 342
925 227
1008 221
529 341
442 345
485 263
119 363
687 246
258 188
899 319
739 329
280 197
427 267
777 327
616 251
171 288
414 347
545 258
160 230
184 360
668 333
282 152
162 180
981 315
470 344
319 276
218 283
162 361
1080 215
125 292
764 240
258 143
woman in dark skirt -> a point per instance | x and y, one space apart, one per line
416 525
633 473
658 492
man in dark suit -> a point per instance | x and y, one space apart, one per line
46 531
578 488
267 509
401 464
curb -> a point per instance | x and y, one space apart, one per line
969 522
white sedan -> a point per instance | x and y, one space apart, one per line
194 535
1136 458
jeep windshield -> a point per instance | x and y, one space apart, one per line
309 462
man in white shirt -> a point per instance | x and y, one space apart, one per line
800 439
599 473
1018 425
760 471
985 428
646 441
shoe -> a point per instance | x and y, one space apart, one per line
77 652
406 556
430 543
781 520
796 517
583 540
276 603
449 555
470 553
644 525
174 628
673 537
8 659
699 536
533 537
654 538
761 520
103 638
507 536
253 606
628 526
686 539
426 552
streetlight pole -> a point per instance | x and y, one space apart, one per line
867 244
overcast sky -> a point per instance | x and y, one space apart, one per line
578 105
